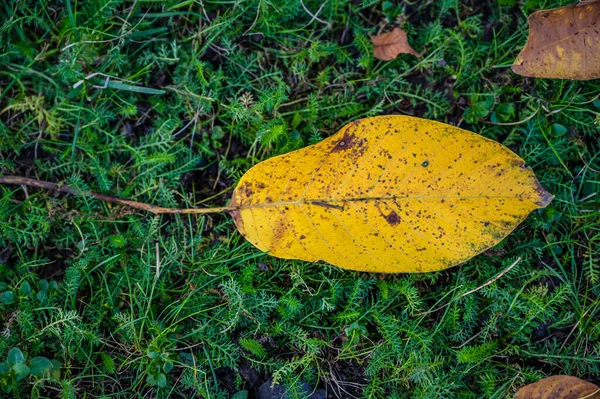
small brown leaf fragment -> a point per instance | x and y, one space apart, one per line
559 387
563 43
389 45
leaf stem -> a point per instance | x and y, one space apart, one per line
157 210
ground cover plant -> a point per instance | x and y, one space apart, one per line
171 102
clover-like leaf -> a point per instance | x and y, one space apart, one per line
40 366
15 356
21 371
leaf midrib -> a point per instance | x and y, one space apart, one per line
368 199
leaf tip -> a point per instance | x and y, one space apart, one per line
544 196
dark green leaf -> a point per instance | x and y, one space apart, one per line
4 368
240 395
505 111
151 380
21 371
558 130
7 387
135 89
187 358
25 289
354 332
15 356
161 380
168 366
42 285
40 366
7 297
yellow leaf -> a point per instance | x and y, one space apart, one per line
563 43
559 387
387 194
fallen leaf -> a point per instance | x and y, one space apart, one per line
559 387
389 45
387 194
563 43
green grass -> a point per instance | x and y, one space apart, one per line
199 91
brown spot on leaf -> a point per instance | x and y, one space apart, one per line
245 189
346 143
351 144
518 163
392 218
279 230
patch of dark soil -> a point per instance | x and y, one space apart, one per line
216 58
160 78
345 36
346 378
490 29
270 391
226 377
246 40
250 376
26 159
133 129
58 263
202 184
5 254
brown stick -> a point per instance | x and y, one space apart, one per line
157 210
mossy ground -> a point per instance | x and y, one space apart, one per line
186 96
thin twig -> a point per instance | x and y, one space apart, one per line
572 330
512 123
475 289
314 16
492 280
157 210
591 395
157 275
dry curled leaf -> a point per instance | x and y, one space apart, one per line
389 45
559 387
387 194
563 43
